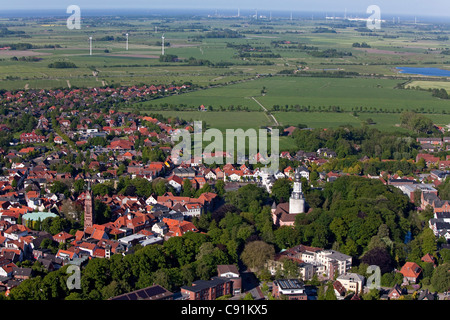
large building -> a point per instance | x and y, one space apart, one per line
292 289
208 290
284 214
312 260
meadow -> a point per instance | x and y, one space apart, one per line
349 94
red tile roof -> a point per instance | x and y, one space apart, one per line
411 270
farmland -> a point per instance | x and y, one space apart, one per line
303 71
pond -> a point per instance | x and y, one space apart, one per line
434 72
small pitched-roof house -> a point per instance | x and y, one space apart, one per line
178 228
411 272
395 293
62 237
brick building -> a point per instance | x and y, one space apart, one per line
207 290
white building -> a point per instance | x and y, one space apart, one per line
352 282
297 202
314 261
304 172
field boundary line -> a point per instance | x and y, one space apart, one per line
267 112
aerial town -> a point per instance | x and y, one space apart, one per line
83 184
115 184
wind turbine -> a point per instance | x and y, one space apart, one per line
90 46
127 41
162 38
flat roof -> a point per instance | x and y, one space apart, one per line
34 216
290 284
150 293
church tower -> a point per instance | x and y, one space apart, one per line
88 208
297 199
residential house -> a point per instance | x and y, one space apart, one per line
411 272
426 295
63 237
22 273
352 282
176 182
304 172
31 137
428 258
429 159
178 228
210 174
395 293
430 140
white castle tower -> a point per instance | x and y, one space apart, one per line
297 199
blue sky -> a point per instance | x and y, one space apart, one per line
403 7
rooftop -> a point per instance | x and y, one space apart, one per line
293 284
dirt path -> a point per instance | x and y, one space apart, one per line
269 114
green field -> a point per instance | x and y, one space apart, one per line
430 84
221 120
381 121
347 93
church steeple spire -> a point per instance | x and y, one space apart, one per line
297 199
88 207
297 190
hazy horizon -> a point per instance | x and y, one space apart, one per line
438 8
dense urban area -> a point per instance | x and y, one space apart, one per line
86 185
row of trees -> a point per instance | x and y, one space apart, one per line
348 141
177 262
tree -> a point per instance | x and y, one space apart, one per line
220 188
428 241
256 254
60 187
161 277
71 210
206 188
441 278
160 187
79 185
187 188
242 197
58 224
102 189
281 190
290 269
329 293
379 256
373 294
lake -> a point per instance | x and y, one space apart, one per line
435 72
